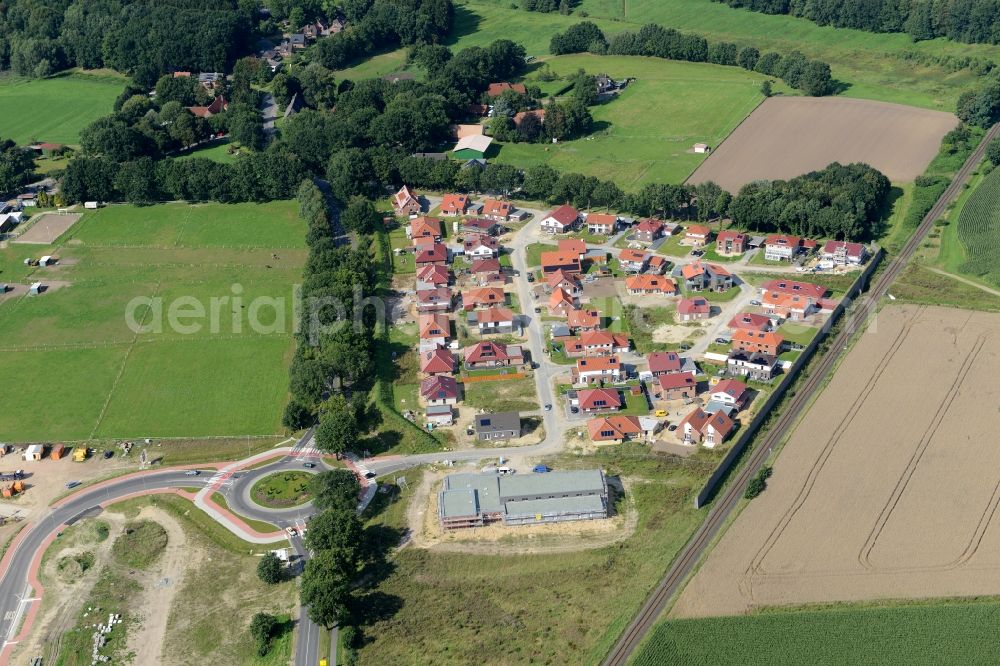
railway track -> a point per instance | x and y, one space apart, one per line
866 304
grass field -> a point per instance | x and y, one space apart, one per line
945 632
57 108
282 489
872 66
502 395
228 378
645 134
563 607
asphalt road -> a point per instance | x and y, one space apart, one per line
866 306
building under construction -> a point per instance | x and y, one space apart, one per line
473 500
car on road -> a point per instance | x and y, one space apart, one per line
72 484
192 472
308 465
548 408
537 310
697 253
107 454
368 474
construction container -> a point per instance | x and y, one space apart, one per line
34 452
18 486
58 451
79 454
7 491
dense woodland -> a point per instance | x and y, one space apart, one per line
976 21
811 76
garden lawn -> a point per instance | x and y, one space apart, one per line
502 395
919 633
217 151
646 133
57 108
105 381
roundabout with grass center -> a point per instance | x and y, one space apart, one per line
282 490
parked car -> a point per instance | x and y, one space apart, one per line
531 277
685 346
723 341
72 484
542 469
548 408
537 310
672 427
755 302
192 472
574 410
108 454
661 413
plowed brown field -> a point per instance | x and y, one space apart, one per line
889 486
789 136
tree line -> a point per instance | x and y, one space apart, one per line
16 166
144 38
811 76
973 21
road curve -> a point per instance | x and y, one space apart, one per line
21 591
866 305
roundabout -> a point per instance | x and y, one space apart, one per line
284 489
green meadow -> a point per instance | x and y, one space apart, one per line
57 108
83 372
646 133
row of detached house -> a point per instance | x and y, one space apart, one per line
491 212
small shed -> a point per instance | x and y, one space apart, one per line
46 260
58 451
36 288
702 148
34 452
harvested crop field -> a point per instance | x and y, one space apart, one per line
789 136
889 485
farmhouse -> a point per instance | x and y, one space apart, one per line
496 210
493 355
650 284
437 361
433 255
439 390
648 230
697 235
757 341
472 147
601 223
752 365
693 309
675 386
434 300
499 425
455 204
633 261
473 500
698 277
583 320
405 202
486 297
493 320
750 322
596 400
781 247
562 219
709 429
842 253
497 89
425 227
730 243
599 369
435 329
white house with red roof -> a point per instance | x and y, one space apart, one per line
492 320
599 369
493 354
455 204
433 275
406 202
843 253
564 280
633 261
581 320
731 392
601 223
709 429
730 242
693 309
781 247
435 254
597 400
750 321
439 390
697 235
497 210
437 299
648 230
561 220
437 361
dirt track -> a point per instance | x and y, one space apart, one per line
889 485
789 136
47 228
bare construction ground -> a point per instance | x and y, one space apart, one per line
889 486
789 136
47 227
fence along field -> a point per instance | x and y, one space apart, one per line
888 487
979 230
80 372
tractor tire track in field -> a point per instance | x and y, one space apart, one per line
864 556
756 564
